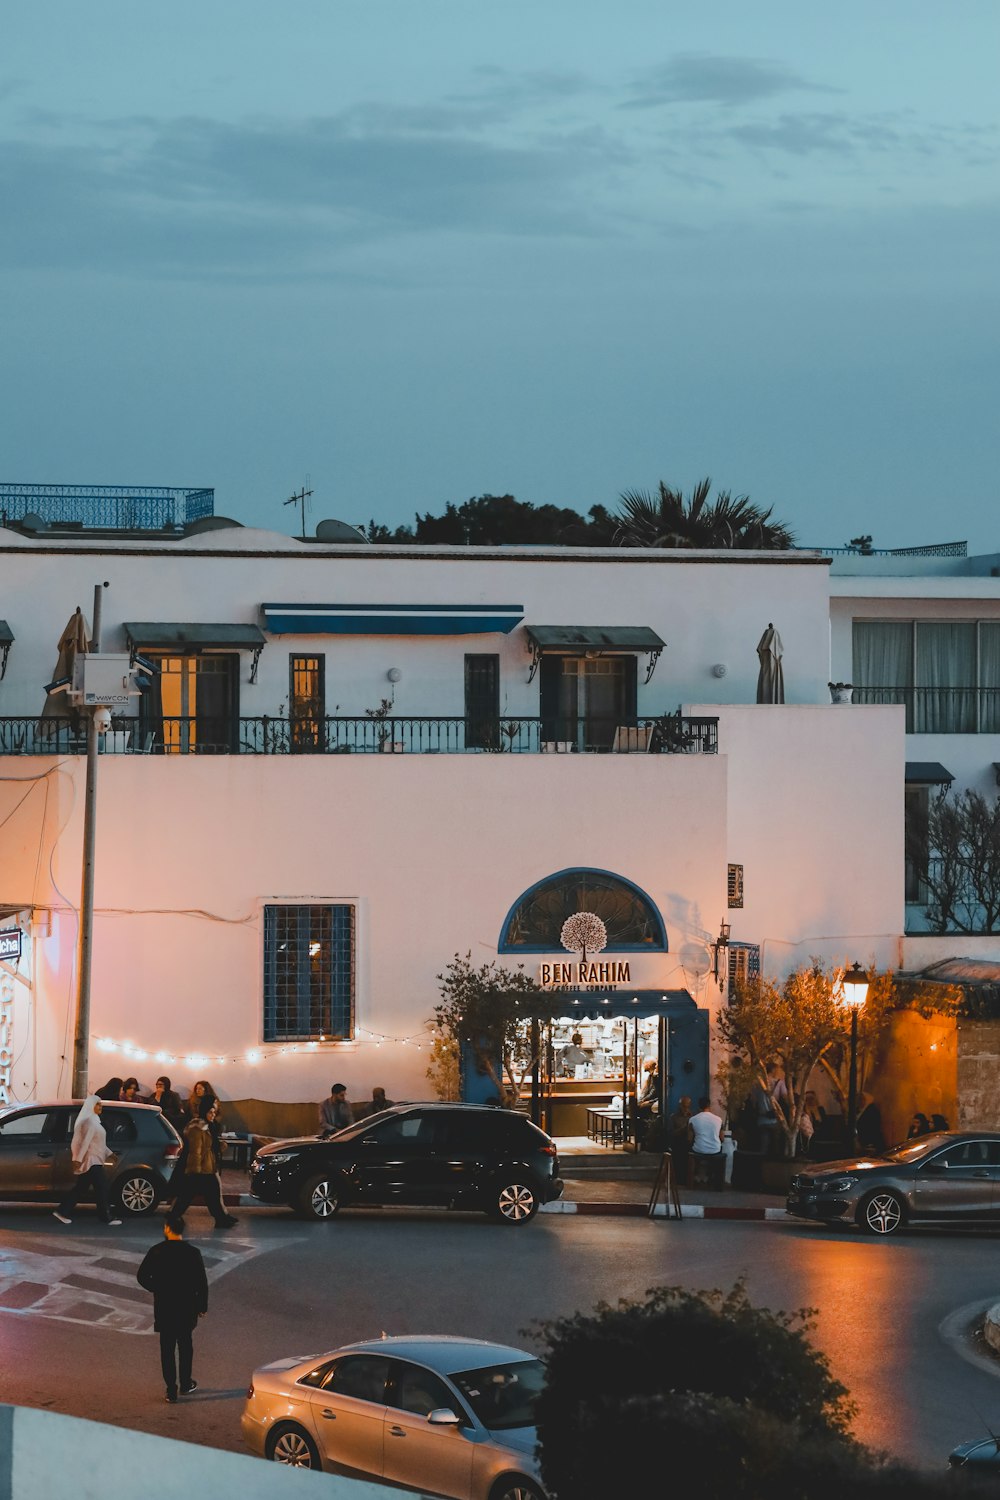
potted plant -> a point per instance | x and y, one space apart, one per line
383 732
669 735
841 692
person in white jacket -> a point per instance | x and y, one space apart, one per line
89 1152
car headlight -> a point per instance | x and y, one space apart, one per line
838 1185
278 1156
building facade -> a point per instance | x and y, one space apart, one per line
348 764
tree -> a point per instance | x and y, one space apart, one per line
794 1024
501 521
666 519
649 1387
957 852
486 1010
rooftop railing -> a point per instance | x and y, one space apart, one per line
933 710
404 734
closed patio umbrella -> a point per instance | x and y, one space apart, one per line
74 641
771 677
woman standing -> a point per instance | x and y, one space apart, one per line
89 1152
198 1176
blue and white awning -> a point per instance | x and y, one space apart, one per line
391 619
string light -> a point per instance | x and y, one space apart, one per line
362 1037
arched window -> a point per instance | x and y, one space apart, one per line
535 920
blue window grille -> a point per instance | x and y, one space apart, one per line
744 963
308 973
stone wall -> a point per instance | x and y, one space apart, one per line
978 1075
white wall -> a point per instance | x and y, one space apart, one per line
709 607
815 799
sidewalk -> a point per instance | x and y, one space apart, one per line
626 1196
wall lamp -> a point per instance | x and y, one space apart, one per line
721 944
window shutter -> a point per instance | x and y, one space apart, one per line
735 886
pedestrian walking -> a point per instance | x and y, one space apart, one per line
175 1274
198 1176
89 1152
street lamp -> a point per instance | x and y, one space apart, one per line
853 992
721 944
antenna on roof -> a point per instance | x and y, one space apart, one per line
300 499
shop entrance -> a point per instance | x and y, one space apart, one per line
593 1055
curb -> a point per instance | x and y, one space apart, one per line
605 1210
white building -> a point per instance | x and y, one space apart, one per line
354 762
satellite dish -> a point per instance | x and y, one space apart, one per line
33 522
695 958
338 531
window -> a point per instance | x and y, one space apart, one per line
503 1396
306 703
36 1126
583 699
308 973
946 672
535 921
735 886
119 1126
744 963
916 848
362 1376
192 706
482 702
420 1391
414 1130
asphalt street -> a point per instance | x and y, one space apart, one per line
76 1330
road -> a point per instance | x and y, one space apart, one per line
75 1329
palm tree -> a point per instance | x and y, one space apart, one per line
668 520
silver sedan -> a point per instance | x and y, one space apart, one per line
447 1416
951 1178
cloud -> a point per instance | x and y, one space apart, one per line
197 193
700 78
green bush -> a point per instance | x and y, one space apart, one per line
732 1400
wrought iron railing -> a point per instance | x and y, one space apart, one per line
403 734
116 507
932 710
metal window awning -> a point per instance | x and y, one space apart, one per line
6 641
927 773
173 635
608 1005
603 640
391 619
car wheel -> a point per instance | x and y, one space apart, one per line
136 1194
516 1487
290 1445
319 1198
882 1213
514 1203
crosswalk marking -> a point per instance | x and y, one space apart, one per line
78 1281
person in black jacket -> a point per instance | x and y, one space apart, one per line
175 1274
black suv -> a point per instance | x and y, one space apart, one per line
36 1165
462 1156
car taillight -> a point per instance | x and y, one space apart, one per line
548 1150
171 1152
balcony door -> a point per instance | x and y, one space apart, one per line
585 698
306 704
192 706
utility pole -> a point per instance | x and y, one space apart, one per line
300 499
81 1034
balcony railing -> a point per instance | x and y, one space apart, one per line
932 710
365 736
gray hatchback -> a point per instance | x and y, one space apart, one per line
952 1177
36 1165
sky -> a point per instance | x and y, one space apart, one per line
405 252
